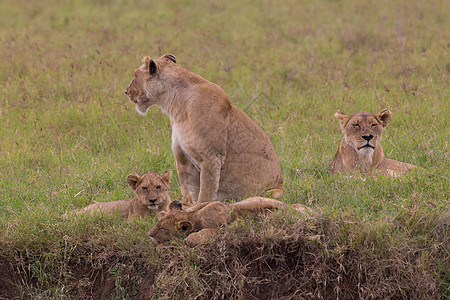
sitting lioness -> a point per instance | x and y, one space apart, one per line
151 197
220 152
360 148
204 219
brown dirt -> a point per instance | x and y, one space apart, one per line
147 286
7 278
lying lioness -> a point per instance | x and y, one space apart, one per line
151 197
360 149
220 152
204 219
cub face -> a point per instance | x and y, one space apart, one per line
151 189
171 224
363 130
147 84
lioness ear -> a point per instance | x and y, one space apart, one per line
166 176
146 61
340 115
384 117
149 64
133 180
171 57
184 226
188 201
175 205
343 118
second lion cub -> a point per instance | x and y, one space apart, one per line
151 197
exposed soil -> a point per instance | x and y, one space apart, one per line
7 279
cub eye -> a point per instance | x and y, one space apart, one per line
356 125
144 188
374 125
158 187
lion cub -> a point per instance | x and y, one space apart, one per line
360 149
151 197
220 152
204 219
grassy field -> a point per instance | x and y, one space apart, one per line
69 137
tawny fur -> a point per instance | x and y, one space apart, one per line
360 149
151 197
220 152
201 220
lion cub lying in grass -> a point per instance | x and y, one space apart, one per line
360 149
151 197
204 219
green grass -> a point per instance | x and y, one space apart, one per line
69 136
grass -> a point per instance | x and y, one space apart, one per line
70 137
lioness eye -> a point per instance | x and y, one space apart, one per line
158 187
357 125
144 188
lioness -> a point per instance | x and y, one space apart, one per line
203 219
360 149
220 152
151 197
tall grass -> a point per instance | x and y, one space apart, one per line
70 137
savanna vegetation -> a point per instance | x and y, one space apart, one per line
69 137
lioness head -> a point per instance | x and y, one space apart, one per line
151 189
173 223
147 85
363 130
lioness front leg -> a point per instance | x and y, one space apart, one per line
188 175
209 179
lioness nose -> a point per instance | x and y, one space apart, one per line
126 92
367 137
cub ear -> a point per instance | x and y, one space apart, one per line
175 205
166 176
384 117
188 201
343 119
184 226
133 180
171 57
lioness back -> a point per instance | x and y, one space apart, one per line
251 160
121 207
